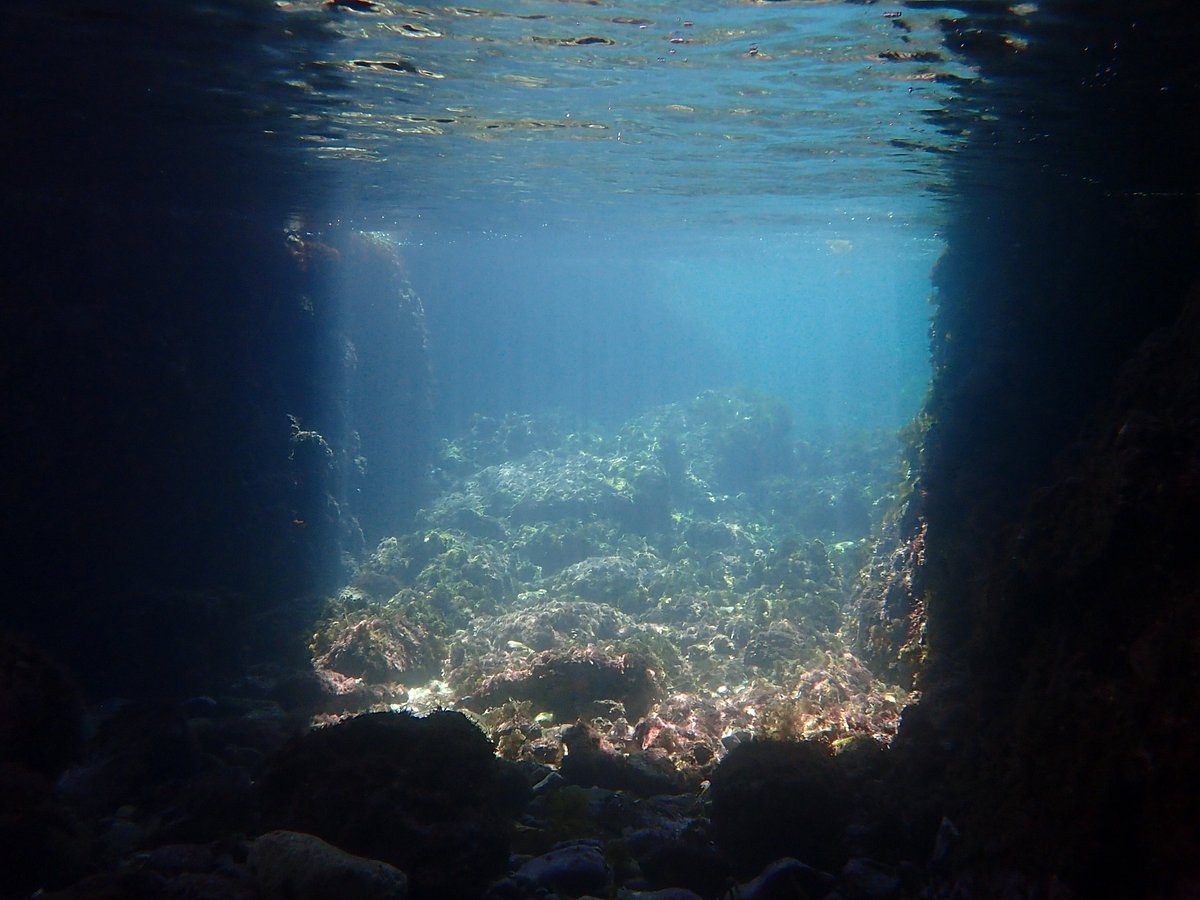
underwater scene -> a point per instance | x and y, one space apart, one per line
731 450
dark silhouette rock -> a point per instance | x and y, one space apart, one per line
573 868
287 865
772 799
41 712
589 763
43 843
573 683
422 794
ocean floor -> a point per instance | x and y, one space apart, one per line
602 664
678 584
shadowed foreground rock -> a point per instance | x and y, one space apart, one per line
291 866
772 799
423 795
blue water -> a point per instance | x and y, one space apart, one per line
604 206
835 327
719 115
607 207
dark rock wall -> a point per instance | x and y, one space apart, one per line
184 454
389 395
1059 591
1083 659
1072 236
182 384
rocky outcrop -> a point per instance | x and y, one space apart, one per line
423 795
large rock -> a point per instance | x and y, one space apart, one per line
603 579
591 762
40 709
380 648
543 486
572 868
775 799
422 794
288 865
573 683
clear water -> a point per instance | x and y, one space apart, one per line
610 210
759 182
609 205
758 118
836 328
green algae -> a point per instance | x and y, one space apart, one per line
544 541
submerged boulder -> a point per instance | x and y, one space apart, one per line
552 624
41 713
592 762
287 865
421 794
775 799
544 486
380 648
613 580
572 869
573 683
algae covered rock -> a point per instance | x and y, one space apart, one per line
728 440
477 569
612 580
488 441
541 487
380 648
555 623
780 646
552 546
572 683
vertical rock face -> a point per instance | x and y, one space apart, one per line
1063 254
194 415
360 421
1057 594
1086 646
165 312
388 398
